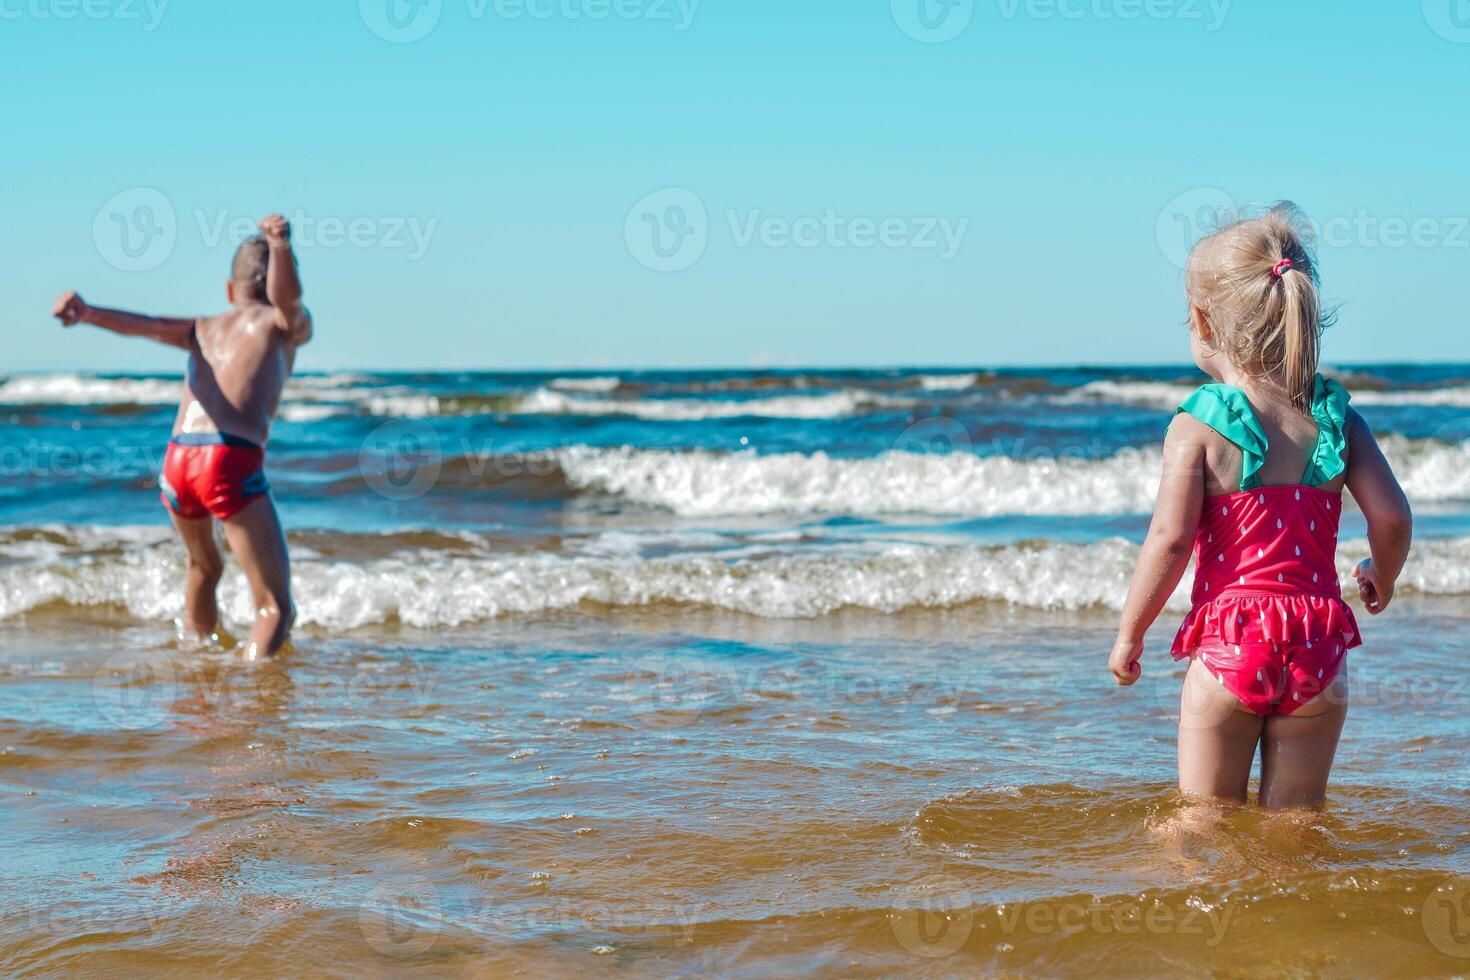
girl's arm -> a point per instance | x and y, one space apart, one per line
1164 557
1390 522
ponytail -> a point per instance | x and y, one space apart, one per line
1301 328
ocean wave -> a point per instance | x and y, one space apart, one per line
401 403
1153 394
1429 471
948 382
86 390
329 382
837 404
1168 395
594 385
314 397
77 389
702 484
1420 397
142 572
705 484
306 412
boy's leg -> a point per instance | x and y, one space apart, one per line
1298 749
201 611
259 545
1217 739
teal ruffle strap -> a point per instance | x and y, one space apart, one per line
1329 408
1225 409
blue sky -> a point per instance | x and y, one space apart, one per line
832 182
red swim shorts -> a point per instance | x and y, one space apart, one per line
212 474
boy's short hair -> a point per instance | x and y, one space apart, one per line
252 259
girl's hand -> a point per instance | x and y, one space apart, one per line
1124 661
1375 590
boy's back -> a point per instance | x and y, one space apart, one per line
238 366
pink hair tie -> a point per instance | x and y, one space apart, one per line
1279 269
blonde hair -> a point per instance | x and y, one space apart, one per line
1256 283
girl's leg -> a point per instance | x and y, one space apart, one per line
1297 750
1217 739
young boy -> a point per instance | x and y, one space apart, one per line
239 361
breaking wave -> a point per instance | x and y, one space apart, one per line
140 570
1167 396
313 397
704 484
837 404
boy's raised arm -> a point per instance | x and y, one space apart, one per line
71 309
283 282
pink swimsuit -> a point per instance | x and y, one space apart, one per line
1269 621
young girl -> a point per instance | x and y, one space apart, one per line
1254 469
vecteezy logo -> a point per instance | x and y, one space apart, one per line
672 691
668 230
401 21
1188 218
135 230
932 918
933 460
1450 19
401 918
401 459
933 21
1447 917
135 689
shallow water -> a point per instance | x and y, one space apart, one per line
686 794
625 724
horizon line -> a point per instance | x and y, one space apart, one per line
754 369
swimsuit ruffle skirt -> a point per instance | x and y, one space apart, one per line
1265 558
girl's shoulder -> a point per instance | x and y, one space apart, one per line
1227 411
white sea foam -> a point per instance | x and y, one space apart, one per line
430 589
401 403
948 382
401 406
704 484
1430 472
837 404
1452 397
599 385
1167 396
76 389
1155 394
707 484
307 412
329 382
355 393
314 398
